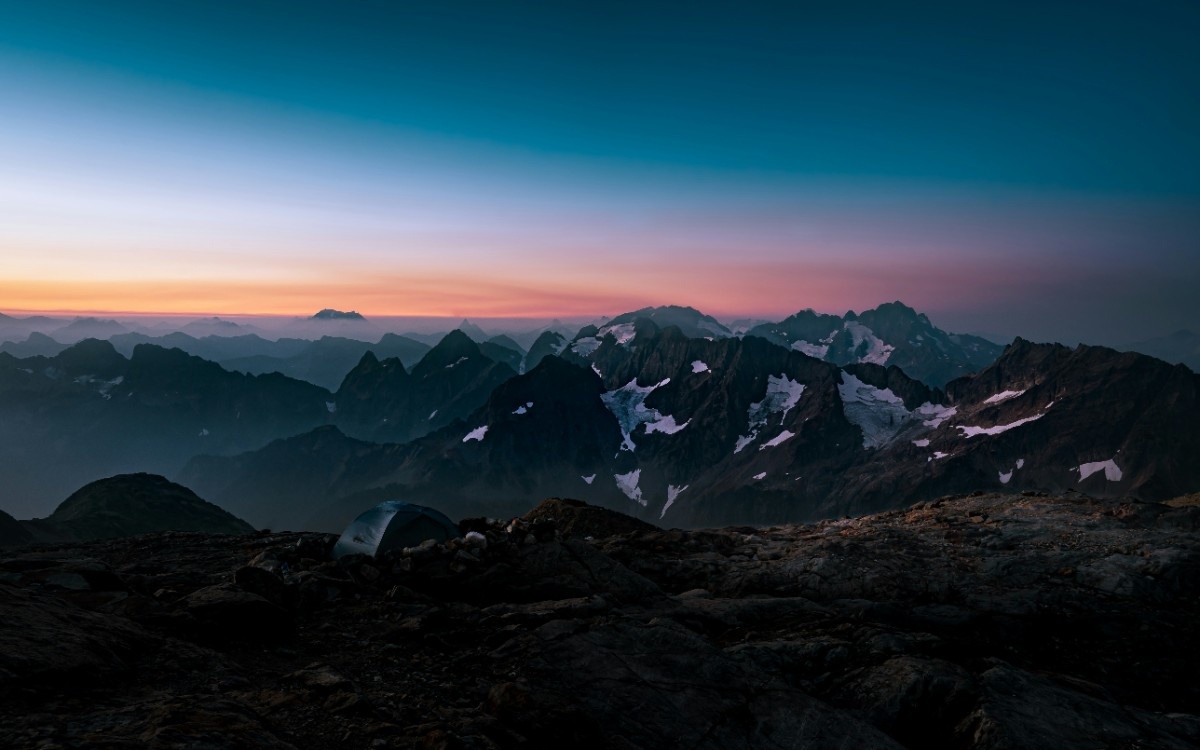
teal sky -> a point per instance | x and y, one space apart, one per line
1023 168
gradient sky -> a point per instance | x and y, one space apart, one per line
1006 167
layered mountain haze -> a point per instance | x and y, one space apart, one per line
693 431
664 413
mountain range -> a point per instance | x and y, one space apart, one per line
693 432
663 413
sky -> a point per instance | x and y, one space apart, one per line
1006 167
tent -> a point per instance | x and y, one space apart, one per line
393 525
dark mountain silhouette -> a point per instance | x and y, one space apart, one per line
507 342
503 353
548 344
331 314
132 504
381 401
12 532
891 334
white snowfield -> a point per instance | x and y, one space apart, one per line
1002 396
628 405
786 434
665 425
585 346
973 431
1112 472
877 351
672 493
881 414
622 332
936 414
628 483
1006 476
476 434
782 395
699 366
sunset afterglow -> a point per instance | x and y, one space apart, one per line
378 170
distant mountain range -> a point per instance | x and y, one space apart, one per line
695 432
664 413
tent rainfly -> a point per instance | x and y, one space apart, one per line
393 525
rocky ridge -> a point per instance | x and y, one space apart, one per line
981 622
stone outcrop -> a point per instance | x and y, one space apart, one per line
984 622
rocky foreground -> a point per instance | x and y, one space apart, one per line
977 622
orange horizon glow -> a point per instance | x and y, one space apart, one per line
726 289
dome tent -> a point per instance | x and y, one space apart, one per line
393 525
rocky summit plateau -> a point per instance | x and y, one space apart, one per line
982 622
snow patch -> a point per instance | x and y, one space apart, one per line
1002 396
476 434
586 346
971 432
876 352
628 483
1020 463
760 475
782 395
923 443
458 362
939 454
936 413
813 350
588 480
878 412
672 493
330 407
523 408
433 413
1112 472
665 425
203 433
622 332
107 386
628 405
786 434
699 366
1005 477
